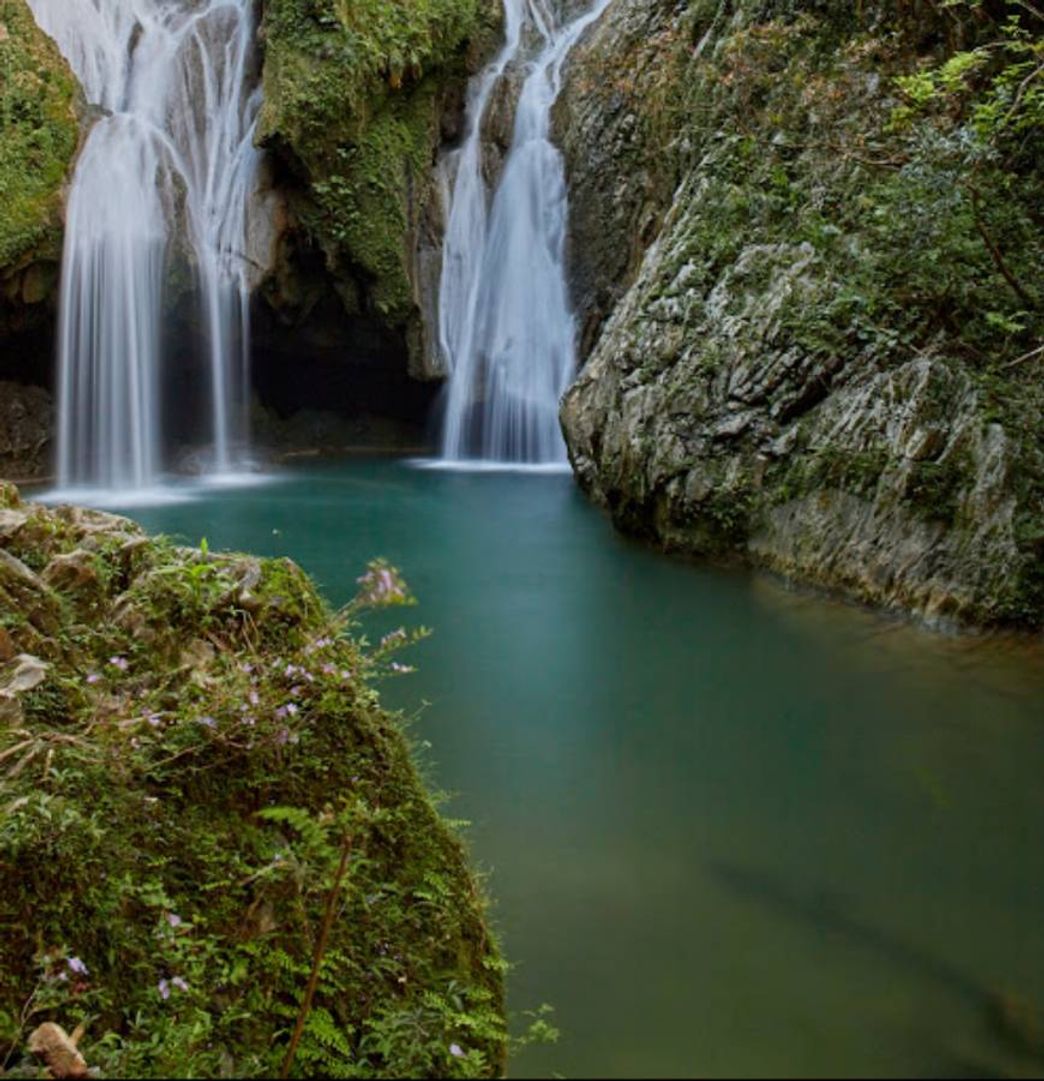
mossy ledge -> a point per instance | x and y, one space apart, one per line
39 132
356 96
188 744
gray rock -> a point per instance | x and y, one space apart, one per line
26 431
23 674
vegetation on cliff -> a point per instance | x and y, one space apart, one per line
197 782
352 103
830 361
38 135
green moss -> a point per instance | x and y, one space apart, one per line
934 488
177 798
38 134
364 206
351 89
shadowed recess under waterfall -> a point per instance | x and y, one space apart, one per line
167 172
506 329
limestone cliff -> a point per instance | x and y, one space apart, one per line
827 361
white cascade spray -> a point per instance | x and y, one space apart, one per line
171 158
506 329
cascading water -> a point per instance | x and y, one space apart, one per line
171 159
506 329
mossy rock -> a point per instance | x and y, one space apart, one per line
39 131
177 797
353 94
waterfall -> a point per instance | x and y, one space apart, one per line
506 328
169 163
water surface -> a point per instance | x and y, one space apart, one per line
733 830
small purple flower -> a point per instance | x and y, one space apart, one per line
93 677
456 1050
179 983
248 668
77 966
290 670
164 989
346 673
208 721
154 720
253 698
281 713
174 919
291 709
295 691
329 669
120 663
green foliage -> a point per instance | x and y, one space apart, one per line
351 99
174 802
38 133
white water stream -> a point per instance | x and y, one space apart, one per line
170 161
506 328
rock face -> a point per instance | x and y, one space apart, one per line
39 131
819 365
26 431
609 122
354 112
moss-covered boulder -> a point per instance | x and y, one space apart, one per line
39 131
828 361
197 781
356 94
